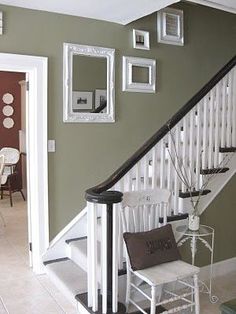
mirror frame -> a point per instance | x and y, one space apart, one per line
75 49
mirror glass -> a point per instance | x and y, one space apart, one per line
89 79
88 84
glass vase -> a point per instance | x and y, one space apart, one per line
193 222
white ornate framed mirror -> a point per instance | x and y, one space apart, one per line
87 70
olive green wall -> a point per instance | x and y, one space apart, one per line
221 215
88 153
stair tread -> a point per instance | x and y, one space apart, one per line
69 275
214 170
227 149
75 239
193 193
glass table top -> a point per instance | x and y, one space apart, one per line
202 231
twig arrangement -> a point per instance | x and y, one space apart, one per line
186 175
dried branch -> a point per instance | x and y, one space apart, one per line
186 175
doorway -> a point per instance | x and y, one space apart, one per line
36 148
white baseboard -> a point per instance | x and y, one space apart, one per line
219 269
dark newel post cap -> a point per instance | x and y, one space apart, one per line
106 197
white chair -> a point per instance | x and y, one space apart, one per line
143 211
9 175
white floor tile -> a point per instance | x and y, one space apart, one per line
20 290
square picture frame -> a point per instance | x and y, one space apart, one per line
82 101
170 26
128 83
101 100
141 39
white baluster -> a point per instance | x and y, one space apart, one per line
169 168
184 151
137 176
211 129
92 257
191 157
229 111
205 129
162 164
198 144
223 115
154 168
217 123
127 182
104 258
121 242
89 259
145 172
115 258
176 178
234 109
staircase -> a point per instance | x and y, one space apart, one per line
197 145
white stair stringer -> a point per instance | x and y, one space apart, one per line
75 229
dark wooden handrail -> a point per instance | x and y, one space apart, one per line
98 193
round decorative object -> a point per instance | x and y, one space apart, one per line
7 111
8 123
7 98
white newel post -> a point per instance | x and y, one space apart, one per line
103 206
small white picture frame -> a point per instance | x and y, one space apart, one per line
141 39
82 101
170 26
128 82
101 100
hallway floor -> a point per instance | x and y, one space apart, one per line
21 292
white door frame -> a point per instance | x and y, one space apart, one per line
36 148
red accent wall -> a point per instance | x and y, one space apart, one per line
9 83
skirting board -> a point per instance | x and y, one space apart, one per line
219 269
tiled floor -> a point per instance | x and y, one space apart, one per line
21 292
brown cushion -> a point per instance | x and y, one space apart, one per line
150 248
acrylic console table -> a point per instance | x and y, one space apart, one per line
205 234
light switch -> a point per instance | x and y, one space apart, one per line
51 146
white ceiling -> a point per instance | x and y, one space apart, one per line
118 11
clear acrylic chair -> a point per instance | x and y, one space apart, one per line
144 211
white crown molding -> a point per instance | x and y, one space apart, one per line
218 4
